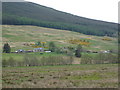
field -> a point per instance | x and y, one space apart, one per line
65 76
19 57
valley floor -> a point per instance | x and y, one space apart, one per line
64 76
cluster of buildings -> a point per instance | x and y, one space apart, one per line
34 50
47 51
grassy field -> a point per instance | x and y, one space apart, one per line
65 76
20 56
18 35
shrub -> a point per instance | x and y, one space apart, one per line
100 58
20 63
4 63
56 60
78 51
78 41
86 59
30 60
107 39
11 62
52 46
58 50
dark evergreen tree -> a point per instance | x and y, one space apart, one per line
6 48
78 51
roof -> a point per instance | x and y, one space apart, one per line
20 50
38 48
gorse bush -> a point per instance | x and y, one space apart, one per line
78 41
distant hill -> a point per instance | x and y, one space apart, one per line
27 13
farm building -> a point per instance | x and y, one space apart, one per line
105 51
38 50
20 51
29 51
47 51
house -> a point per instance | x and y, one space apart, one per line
47 51
28 51
20 51
38 50
105 51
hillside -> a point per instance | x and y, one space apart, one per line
27 13
18 35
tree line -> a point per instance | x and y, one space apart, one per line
85 29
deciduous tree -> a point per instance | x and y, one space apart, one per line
78 51
52 46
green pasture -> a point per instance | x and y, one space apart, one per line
20 56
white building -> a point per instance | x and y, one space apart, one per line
47 51
38 50
20 51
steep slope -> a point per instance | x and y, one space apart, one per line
27 13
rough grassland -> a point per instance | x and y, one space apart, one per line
70 76
18 35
